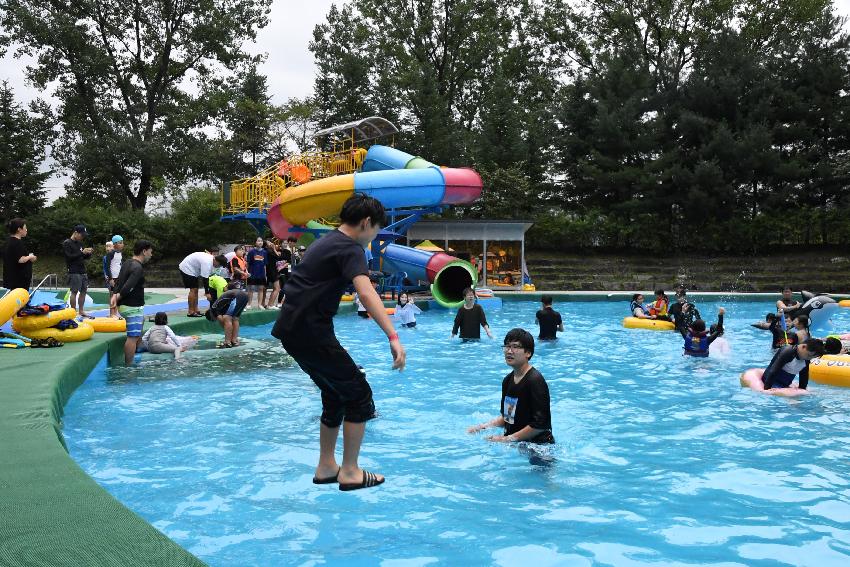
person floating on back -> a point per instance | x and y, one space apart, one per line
470 318
405 311
305 329
525 410
548 320
698 340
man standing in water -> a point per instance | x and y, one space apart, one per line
129 298
305 329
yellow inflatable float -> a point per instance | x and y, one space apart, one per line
12 302
83 332
844 303
35 322
831 369
107 325
651 324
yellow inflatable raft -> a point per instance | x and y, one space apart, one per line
108 325
12 302
83 332
35 322
651 324
831 369
844 303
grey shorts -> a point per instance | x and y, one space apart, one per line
78 282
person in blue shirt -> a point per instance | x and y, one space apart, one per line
405 311
257 257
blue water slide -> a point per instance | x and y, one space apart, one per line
402 188
382 158
399 258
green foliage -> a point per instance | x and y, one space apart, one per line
130 125
23 136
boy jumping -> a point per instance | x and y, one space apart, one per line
305 329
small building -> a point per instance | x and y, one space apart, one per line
495 247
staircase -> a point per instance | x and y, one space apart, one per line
821 272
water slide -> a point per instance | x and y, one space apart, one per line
398 180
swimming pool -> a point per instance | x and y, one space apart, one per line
659 460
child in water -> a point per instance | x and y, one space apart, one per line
160 338
697 340
406 311
470 318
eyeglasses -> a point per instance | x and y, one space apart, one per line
513 347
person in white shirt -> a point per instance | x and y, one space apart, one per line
406 312
196 267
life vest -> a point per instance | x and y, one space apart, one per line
696 345
635 305
659 307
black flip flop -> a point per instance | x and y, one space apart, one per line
329 480
369 480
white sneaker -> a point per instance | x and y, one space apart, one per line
247 307
263 307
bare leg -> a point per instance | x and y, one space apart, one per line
792 392
250 295
227 325
81 302
193 301
352 438
130 346
327 466
234 333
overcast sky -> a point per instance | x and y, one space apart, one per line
289 64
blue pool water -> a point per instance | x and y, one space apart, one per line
660 460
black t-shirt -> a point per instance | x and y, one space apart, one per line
222 304
782 338
15 274
549 321
131 284
314 290
527 403
74 257
469 321
271 265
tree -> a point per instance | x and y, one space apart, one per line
128 116
24 136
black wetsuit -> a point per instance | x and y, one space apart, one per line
783 367
697 345
682 319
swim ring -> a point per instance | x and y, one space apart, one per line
108 325
844 303
651 324
346 298
83 332
35 322
12 302
831 369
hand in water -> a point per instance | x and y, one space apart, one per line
399 356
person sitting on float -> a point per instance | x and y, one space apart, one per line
638 309
660 306
698 340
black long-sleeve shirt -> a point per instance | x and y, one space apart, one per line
74 257
131 284
783 367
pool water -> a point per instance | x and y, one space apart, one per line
660 460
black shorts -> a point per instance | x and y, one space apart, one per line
346 394
257 281
189 282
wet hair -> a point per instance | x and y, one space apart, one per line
468 290
398 301
140 246
522 337
635 296
161 318
770 317
546 300
815 346
359 207
659 292
698 326
804 319
221 260
832 345
15 225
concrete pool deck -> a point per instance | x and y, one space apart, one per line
53 512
